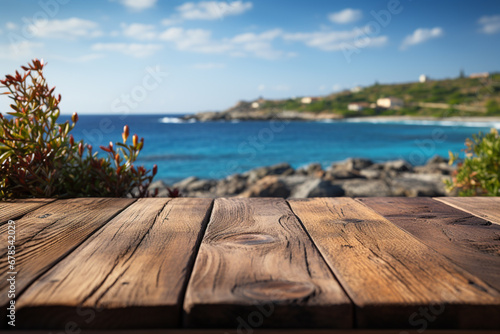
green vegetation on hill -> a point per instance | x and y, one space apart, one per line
456 97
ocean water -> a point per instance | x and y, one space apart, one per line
218 149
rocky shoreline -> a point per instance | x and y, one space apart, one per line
256 115
351 178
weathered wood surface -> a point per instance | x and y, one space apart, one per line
391 276
46 235
108 264
12 210
471 242
130 274
487 208
257 267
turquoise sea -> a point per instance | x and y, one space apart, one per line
218 149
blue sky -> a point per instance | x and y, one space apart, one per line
154 56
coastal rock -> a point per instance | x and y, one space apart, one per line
279 169
372 174
201 185
232 185
160 185
348 169
398 166
413 185
366 188
313 169
435 165
317 188
269 186
437 159
352 164
185 183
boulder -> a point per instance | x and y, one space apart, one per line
201 185
184 183
414 185
348 169
232 185
269 186
258 173
316 188
435 165
366 188
157 185
352 164
437 159
313 169
372 174
398 166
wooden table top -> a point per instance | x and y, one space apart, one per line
245 265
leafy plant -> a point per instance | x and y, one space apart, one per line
40 158
479 172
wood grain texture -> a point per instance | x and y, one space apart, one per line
471 242
257 268
130 274
393 278
49 233
487 208
17 208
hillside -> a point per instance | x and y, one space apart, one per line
436 98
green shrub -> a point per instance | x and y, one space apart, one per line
492 107
479 172
39 158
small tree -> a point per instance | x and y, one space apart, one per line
39 157
479 172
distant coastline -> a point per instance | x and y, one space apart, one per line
330 117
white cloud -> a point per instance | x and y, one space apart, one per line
421 35
80 59
212 10
66 29
11 26
201 41
347 15
337 88
138 5
261 87
208 66
130 49
171 22
139 31
338 40
19 50
207 10
490 24
259 44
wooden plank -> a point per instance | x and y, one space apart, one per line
46 235
130 274
484 207
391 276
471 242
12 210
257 268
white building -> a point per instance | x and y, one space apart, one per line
357 106
390 102
479 75
356 89
309 100
423 78
255 105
